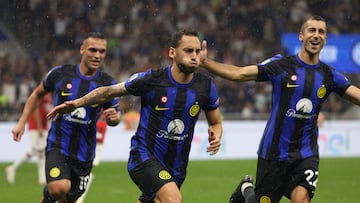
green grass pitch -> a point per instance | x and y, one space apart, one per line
209 181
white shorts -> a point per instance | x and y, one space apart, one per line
38 143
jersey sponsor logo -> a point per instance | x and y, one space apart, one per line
65 94
78 116
55 172
175 130
302 111
289 85
79 113
304 105
158 108
176 126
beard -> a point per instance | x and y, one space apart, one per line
186 69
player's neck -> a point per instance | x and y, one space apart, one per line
308 58
87 72
181 77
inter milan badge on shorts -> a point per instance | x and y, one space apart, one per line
163 174
265 199
54 172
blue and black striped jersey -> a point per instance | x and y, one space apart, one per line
74 135
169 112
299 90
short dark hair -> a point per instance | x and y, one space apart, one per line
98 35
313 17
176 37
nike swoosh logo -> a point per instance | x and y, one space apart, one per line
291 85
65 93
157 108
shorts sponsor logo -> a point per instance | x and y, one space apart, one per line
55 172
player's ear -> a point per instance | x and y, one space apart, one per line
172 52
82 48
301 37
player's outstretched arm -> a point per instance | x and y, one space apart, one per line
227 71
97 96
353 94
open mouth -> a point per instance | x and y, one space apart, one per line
315 43
95 62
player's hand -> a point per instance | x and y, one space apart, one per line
61 109
112 116
18 131
214 143
203 52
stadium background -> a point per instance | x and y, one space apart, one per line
36 35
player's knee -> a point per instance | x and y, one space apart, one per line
300 195
176 199
173 198
58 189
169 199
169 193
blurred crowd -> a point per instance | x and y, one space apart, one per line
238 32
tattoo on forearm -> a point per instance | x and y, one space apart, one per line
100 95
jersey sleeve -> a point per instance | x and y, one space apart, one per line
341 83
134 85
213 97
269 68
51 78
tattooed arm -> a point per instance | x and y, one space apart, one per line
97 96
101 95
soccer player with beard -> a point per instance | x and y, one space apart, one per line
288 154
70 148
171 100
